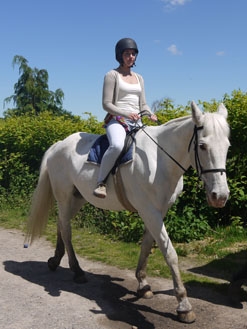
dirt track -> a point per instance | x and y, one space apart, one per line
32 297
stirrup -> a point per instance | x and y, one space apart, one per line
100 191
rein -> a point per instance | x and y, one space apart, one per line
199 168
143 113
160 147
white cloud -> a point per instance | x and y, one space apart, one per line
174 50
220 53
172 4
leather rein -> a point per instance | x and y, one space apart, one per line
199 168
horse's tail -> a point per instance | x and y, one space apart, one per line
42 202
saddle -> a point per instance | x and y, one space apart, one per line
96 154
101 144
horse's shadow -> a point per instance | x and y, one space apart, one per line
225 269
114 300
117 302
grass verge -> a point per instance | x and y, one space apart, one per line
210 262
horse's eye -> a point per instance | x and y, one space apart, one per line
202 146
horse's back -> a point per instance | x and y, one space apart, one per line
65 158
80 142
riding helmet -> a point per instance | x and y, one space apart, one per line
125 43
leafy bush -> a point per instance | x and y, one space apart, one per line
24 139
123 225
187 226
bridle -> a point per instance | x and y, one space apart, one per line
199 167
200 170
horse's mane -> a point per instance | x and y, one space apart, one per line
213 122
177 120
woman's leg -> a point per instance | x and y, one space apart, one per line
116 135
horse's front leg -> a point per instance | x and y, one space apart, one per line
184 309
144 289
158 231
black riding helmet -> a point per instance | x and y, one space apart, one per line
125 43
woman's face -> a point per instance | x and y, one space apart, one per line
129 57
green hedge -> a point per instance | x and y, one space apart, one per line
24 139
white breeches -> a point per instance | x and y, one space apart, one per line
116 135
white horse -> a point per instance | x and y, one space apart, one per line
151 182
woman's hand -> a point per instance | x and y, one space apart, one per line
153 117
134 116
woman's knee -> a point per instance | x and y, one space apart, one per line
117 146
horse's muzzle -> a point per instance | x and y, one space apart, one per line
217 201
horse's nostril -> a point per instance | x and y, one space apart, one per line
214 196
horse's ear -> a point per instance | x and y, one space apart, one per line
196 114
222 110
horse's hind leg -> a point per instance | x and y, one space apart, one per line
144 289
66 210
54 261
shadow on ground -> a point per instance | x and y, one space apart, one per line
224 268
115 301
227 269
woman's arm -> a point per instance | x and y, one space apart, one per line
109 94
143 104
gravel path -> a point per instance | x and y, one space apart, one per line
32 297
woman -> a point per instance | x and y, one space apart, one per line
123 99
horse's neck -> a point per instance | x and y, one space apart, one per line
174 138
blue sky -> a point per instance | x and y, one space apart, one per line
188 49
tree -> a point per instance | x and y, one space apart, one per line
31 92
166 110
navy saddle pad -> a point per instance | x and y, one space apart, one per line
100 146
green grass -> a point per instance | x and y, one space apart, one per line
214 255
217 255
13 218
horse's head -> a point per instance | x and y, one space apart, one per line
211 145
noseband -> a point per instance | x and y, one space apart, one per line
199 167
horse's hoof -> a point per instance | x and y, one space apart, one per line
52 264
148 294
80 279
145 292
186 317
